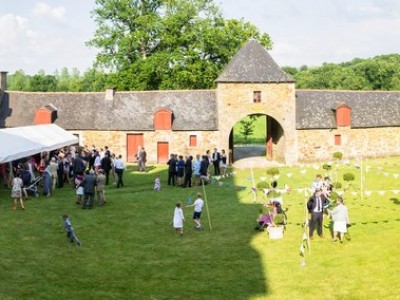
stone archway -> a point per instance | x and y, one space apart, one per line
272 146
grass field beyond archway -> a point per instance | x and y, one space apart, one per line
131 252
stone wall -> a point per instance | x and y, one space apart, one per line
319 145
235 101
178 141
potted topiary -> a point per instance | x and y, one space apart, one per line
277 228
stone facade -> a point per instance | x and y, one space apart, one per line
319 145
235 101
178 141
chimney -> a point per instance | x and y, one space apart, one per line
3 81
110 94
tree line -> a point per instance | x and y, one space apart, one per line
377 73
185 44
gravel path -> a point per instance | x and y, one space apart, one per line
245 156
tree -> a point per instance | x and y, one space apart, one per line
42 82
18 81
175 44
246 128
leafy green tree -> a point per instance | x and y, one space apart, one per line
93 80
175 44
246 128
42 82
75 81
18 81
63 80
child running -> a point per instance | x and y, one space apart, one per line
179 218
198 208
70 230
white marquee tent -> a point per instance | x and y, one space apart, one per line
19 142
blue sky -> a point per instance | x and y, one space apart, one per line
51 34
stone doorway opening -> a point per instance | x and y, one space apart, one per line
257 135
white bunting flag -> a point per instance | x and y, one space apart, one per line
289 175
354 193
276 177
368 193
263 178
395 192
300 190
381 193
340 193
316 167
303 171
385 174
395 175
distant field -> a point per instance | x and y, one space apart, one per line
258 136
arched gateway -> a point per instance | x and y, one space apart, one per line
252 83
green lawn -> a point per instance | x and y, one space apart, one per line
131 252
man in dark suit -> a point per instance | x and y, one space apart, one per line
188 172
171 170
106 165
315 206
216 158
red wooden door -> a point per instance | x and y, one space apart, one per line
132 144
162 152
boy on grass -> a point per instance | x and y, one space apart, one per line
70 230
198 208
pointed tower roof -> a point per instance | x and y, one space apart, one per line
253 64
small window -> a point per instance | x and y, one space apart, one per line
338 139
193 141
257 97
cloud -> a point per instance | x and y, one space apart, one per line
42 9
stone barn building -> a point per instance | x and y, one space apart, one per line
302 125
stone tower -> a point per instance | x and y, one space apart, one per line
252 83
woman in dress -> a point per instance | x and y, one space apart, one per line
178 218
16 190
340 219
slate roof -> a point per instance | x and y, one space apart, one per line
315 109
130 111
253 64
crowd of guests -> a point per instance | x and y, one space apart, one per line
181 170
86 170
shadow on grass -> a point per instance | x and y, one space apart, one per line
395 201
208 264
130 247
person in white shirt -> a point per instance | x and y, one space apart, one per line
198 208
317 183
179 218
119 170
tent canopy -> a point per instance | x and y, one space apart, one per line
19 142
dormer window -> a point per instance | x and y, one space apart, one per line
257 97
343 116
163 120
